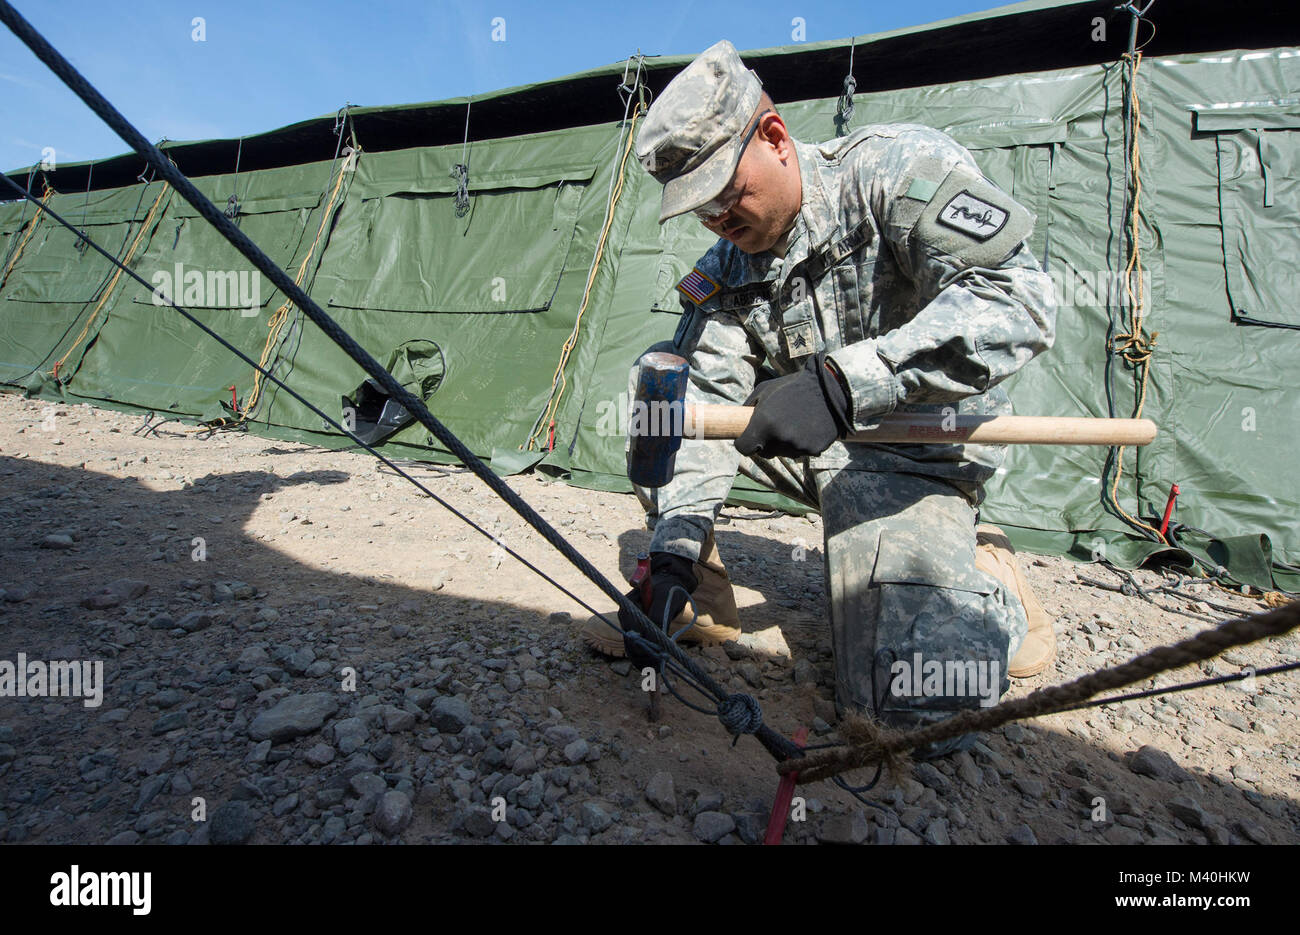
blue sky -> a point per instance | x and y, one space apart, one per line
266 64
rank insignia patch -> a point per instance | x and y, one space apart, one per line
800 339
697 287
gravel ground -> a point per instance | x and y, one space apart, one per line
296 650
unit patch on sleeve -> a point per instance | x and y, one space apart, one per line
970 215
697 287
971 220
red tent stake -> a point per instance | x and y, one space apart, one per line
784 796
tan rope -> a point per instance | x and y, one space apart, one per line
1134 345
874 743
281 314
103 299
559 382
31 228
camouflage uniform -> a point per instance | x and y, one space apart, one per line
909 269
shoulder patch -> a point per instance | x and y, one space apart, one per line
974 216
698 287
972 220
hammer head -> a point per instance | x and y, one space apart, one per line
654 426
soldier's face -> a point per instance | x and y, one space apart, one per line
766 190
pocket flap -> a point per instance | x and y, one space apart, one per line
905 558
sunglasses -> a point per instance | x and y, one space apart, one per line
719 206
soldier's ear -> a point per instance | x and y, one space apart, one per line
775 132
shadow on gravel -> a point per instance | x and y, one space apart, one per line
193 664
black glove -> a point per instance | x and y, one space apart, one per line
669 575
797 415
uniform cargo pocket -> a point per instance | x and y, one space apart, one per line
938 644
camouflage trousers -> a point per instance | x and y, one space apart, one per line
918 632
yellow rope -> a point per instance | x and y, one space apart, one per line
31 229
1134 345
281 315
559 379
103 299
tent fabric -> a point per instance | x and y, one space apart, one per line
498 290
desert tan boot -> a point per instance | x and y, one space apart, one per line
718 621
994 555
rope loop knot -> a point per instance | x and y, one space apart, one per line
740 714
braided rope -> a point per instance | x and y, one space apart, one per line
876 744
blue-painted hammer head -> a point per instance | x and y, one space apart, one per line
655 423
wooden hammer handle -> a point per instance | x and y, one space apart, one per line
923 428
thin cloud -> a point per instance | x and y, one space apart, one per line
23 82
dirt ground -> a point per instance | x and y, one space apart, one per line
246 578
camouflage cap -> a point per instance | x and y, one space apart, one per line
691 139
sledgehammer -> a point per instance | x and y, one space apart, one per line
660 419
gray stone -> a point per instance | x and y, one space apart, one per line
1122 835
125 837
709 827
751 826
155 762
1021 834
477 821
1217 834
577 751
914 819
1018 734
298 661
1188 811
1154 762
1251 831
1233 719
936 832
929 775
660 793
350 734
170 721
1246 773
393 812
231 823
967 770
369 788
148 790
295 716
168 698
119 591
560 735
57 541
397 719
195 621
450 715
903 836
844 829
594 818
1030 787
319 755
709 801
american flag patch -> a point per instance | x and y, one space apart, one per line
697 287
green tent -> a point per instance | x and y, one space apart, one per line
539 271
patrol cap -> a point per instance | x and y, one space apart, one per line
691 138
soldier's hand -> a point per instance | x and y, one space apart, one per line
672 580
796 415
